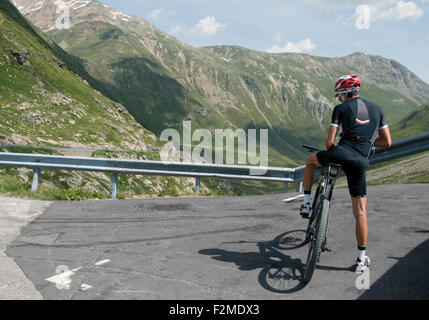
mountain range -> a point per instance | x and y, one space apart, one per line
162 81
113 81
43 102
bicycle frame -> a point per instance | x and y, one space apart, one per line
316 238
325 188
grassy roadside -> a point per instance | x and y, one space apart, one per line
75 185
11 186
54 185
69 185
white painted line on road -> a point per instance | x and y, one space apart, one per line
294 198
99 263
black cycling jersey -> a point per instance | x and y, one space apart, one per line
361 120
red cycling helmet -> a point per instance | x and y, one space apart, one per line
347 83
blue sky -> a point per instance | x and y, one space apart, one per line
397 29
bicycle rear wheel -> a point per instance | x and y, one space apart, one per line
317 242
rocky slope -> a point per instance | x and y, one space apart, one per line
151 77
43 102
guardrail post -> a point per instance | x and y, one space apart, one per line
299 186
197 185
285 187
114 185
35 184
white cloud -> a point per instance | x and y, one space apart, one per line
402 10
208 26
299 47
380 9
369 11
341 4
160 13
155 14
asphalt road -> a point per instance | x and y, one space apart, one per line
223 248
14 213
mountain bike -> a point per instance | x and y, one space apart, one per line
317 230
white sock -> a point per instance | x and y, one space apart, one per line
307 198
361 255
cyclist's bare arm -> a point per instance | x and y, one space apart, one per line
330 141
384 139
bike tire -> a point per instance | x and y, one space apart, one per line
317 242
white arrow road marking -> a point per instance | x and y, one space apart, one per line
294 198
63 280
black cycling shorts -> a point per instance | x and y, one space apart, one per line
353 165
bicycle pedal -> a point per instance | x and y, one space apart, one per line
326 249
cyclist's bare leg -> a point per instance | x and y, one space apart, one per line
359 212
310 167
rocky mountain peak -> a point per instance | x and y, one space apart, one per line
162 81
45 13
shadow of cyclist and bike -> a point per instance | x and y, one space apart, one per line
280 273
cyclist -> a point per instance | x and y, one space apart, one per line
361 121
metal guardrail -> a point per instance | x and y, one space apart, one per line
402 148
399 148
38 162
143 167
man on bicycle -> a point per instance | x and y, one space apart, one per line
363 125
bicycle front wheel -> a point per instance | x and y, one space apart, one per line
317 242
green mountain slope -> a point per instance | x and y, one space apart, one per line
162 81
44 103
415 123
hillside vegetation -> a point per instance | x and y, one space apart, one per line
44 103
162 81
415 123
112 83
